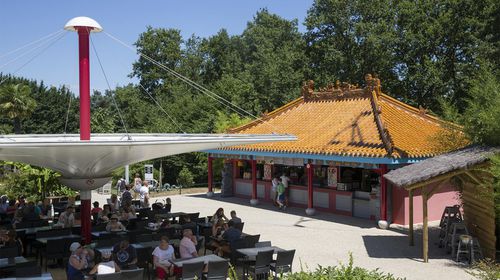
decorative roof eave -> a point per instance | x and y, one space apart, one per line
443 164
327 157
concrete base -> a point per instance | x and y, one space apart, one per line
310 211
210 194
254 201
383 224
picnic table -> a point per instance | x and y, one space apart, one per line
206 259
252 252
11 262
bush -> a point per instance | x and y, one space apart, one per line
185 178
486 270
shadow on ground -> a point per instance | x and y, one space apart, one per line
299 212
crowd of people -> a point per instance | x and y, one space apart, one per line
20 210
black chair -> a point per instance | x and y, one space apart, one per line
9 252
262 264
207 233
217 270
98 227
252 240
40 223
28 269
53 250
105 243
23 224
283 262
144 238
110 276
192 270
135 274
263 244
66 243
234 256
239 226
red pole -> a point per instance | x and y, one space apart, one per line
383 195
254 178
83 45
210 182
84 64
310 191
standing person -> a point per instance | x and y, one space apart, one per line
126 196
120 185
161 259
113 203
125 255
187 246
274 189
137 184
67 218
281 196
144 194
285 180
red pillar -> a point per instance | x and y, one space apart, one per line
383 193
83 45
210 174
310 192
254 179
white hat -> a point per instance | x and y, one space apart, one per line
74 246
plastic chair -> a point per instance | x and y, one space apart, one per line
144 238
217 270
252 240
135 274
53 250
110 276
9 252
29 269
283 262
262 264
239 226
192 270
263 244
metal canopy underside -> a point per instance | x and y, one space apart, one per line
98 157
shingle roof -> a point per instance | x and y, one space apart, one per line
432 167
347 121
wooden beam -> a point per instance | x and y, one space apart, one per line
474 178
425 237
410 235
435 179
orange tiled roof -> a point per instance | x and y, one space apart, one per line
347 121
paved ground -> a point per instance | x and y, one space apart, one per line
327 239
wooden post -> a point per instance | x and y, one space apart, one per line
425 238
410 198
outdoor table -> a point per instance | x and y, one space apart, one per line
252 252
206 259
97 234
108 248
44 240
44 276
11 262
33 230
171 215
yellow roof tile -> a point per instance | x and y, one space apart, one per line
342 121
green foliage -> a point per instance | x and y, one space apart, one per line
482 115
32 181
185 178
224 122
16 103
486 270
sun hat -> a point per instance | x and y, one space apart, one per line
74 246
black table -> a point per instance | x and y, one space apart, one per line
44 276
11 262
99 234
206 259
252 252
44 240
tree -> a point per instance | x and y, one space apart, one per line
185 178
16 103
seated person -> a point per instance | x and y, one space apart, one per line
95 211
105 213
230 235
113 203
187 246
161 259
114 224
45 208
78 261
106 266
168 204
127 213
67 218
235 218
9 239
218 228
219 215
125 255
189 224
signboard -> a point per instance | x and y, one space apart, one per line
332 176
268 169
148 172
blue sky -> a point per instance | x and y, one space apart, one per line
26 21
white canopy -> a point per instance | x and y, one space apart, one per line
88 164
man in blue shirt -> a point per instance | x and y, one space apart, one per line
229 236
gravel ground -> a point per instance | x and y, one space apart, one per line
327 239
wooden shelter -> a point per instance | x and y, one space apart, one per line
467 170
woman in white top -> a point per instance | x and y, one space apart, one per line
106 266
161 259
114 224
274 189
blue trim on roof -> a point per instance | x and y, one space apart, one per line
370 160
